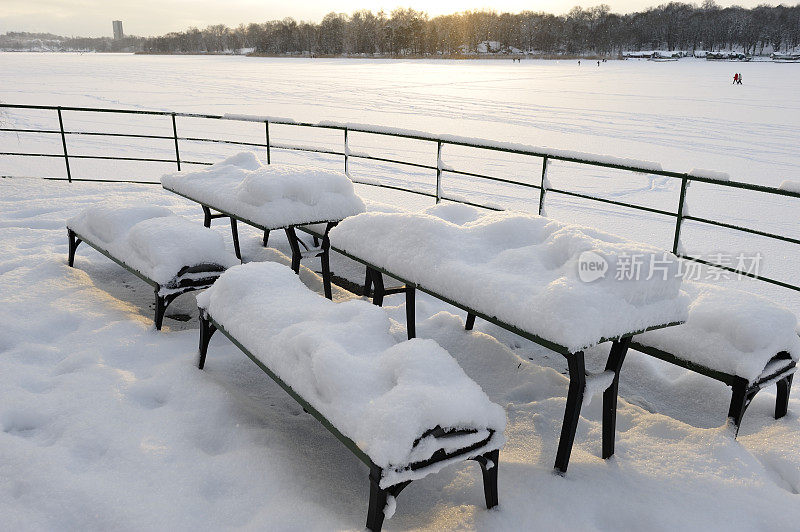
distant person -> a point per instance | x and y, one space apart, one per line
579 62
740 80
735 79
598 63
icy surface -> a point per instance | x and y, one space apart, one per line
343 361
729 330
151 239
522 269
273 196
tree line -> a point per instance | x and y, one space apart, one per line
407 32
596 30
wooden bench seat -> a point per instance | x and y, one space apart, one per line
739 338
404 409
168 252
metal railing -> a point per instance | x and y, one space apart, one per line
679 215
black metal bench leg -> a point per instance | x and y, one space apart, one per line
378 497
615 359
161 307
367 283
325 260
489 463
206 216
235 235
265 240
470 322
74 242
291 235
377 282
572 413
740 400
207 330
411 312
782 400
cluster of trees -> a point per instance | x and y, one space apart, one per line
672 26
25 41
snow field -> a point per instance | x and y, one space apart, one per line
108 424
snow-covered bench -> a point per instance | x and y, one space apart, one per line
270 197
406 410
521 272
739 338
170 253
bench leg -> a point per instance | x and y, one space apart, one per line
489 463
207 330
572 413
325 260
740 400
206 216
782 400
378 497
161 308
74 242
367 283
291 235
235 235
265 240
411 312
377 282
470 322
615 359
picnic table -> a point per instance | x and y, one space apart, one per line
270 197
521 272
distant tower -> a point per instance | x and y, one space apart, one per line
117 25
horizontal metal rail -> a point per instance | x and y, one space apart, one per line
439 169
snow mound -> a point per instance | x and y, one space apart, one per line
273 196
343 360
791 186
524 269
151 239
729 330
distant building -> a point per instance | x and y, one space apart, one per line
117 25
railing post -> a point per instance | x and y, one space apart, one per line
266 126
438 171
679 218
175 136
346 154
64 144
545 184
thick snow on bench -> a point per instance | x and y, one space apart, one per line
523 269
151 239
273 196
729 330
342 359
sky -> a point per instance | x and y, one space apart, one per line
92 18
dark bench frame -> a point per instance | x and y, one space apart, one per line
321 250
575 360
743 390
377 495
164 294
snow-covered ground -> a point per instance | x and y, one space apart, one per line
108 424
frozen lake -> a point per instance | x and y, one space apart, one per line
683 115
